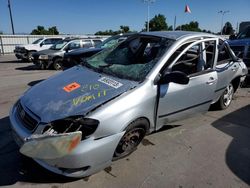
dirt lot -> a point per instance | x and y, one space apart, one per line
210 150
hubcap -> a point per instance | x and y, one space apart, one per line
228 95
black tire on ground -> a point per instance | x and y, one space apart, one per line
57 64
42 66
134 134
226 98
29 56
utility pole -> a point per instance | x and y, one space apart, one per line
148 3
174 23
222 12
12 25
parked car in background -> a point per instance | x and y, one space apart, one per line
52 57
24 52
75 57
240 44
76 122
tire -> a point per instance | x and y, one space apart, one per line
226 98
42 66
29 56
57 64
133 136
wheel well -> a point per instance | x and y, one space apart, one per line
53 60
57 57
31 51
147 126
236 83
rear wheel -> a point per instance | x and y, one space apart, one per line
226 98
134 134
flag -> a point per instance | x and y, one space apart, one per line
187 9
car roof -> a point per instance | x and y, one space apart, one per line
176 35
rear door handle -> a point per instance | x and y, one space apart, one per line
211 81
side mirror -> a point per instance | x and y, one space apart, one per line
41 44
232 37
66 49
175 77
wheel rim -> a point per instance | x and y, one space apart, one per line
57 66
228 95
30 57
129 142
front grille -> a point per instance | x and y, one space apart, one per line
20 50
27 121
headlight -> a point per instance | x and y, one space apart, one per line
59 138
72 124
44 57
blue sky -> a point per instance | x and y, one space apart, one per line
90 16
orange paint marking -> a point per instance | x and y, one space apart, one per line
71 87
74 143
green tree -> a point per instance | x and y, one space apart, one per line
53 31
40 30
192 26
1 32
124 28
157 23
227 29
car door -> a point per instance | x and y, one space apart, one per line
177 101
226 68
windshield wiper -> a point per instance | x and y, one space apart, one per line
85 63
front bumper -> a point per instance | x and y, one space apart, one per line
90 156
20 55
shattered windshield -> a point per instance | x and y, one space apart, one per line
132 59
59 45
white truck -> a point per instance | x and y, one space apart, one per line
24 52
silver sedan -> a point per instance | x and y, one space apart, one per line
76 122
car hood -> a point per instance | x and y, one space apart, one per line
239 42
47 52
81 51
27 46
73 92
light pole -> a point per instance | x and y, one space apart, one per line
12 25
148 3
222 12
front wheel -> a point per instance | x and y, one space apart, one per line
226 98
134 134
57 64
29 56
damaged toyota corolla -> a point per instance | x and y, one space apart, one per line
76 122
